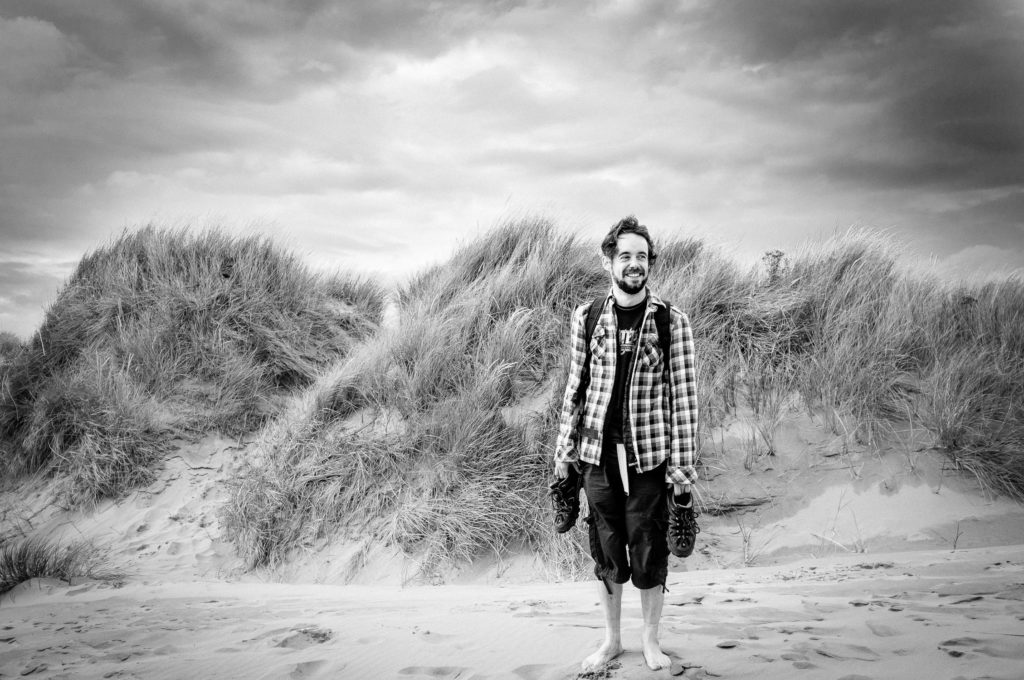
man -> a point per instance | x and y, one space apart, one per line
631 432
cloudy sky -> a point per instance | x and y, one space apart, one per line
376 135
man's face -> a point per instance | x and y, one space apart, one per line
629 266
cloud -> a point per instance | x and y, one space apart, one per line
33 56
377 134
982 262
936 87
25 283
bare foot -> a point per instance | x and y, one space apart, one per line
604 654
655 658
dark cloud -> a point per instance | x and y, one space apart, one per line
246 47
806 30
120 38
942 80
386 114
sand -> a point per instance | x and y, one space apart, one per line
925 614
873 566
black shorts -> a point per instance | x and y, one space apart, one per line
627 533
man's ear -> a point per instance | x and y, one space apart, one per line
606 262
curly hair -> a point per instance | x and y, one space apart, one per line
627 225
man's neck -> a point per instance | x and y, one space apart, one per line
624 299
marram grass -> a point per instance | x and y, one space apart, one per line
24 559
166 331
435 437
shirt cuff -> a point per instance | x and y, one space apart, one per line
566 455
684 474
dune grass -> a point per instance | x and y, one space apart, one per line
24 559
10 345
451 465
435 437
163 332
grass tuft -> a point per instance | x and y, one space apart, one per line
24 559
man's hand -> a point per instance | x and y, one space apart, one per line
561 470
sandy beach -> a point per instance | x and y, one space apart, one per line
949 604
923 614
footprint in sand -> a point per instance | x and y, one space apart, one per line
307 669
302 638
880 629
371 641
999 648
429 636
435 671
533 671
837 651
1015 594
34 668
950 646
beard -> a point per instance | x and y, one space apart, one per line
626 286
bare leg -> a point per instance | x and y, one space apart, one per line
651 601
612 645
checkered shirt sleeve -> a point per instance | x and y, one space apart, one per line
683 395
566 450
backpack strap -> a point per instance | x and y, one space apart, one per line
663 322
593 316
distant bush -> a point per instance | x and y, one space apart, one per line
167 330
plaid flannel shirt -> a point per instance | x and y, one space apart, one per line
660 421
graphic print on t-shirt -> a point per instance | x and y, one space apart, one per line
627 340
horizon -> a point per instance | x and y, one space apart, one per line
376 138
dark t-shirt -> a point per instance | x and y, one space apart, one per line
628 320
